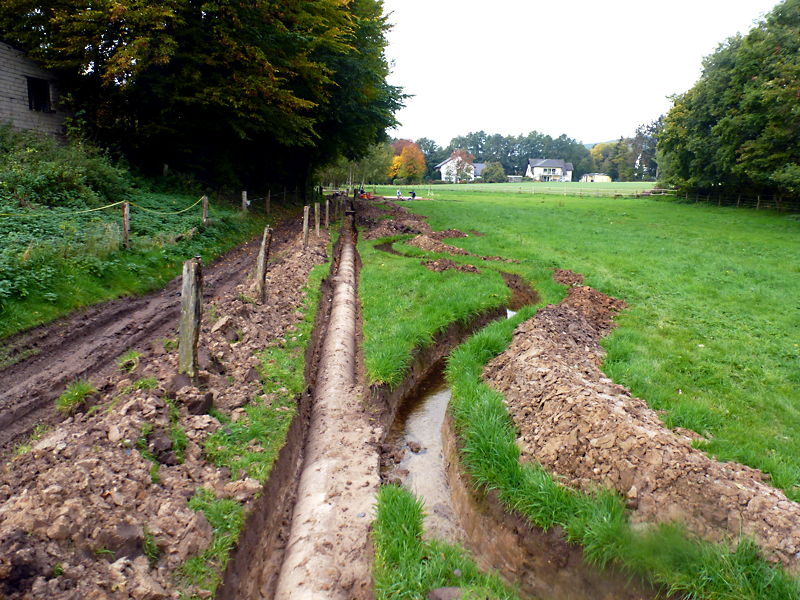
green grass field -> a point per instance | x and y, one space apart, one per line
711 338
713 328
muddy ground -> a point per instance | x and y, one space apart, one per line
79 510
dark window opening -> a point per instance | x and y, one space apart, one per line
39 94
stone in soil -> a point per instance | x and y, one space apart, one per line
587 430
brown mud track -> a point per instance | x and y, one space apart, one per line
88 342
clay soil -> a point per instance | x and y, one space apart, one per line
78 509
587 430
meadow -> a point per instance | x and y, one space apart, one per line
710 339
712 333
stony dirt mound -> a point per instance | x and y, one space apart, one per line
445 264
588 430
78 509
447 233
430 244
371 218
565 277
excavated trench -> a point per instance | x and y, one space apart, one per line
309 535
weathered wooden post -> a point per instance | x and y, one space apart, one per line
295 194
244 202
316 217
738 201
126 225
263 257
305 225
758 204
269 196
205 210
327 213
191 314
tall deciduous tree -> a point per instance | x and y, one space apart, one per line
218 87
738 128
412 163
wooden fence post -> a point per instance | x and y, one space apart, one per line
263 257
327 213
269 197
758 205
316 217
191 314
244 202
738 201
305 225
205 210
126 225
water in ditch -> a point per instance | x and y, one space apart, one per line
417 435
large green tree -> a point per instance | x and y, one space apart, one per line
230 90
738 128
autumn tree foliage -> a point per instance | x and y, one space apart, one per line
408 162
738 129
227 89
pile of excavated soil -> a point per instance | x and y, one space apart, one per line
447 233
587 430
76 509
431 242
445 264
566 277
371 218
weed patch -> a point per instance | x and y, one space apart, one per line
75 396
405 566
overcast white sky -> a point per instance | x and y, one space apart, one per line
592 69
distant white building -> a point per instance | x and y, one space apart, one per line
595 178
549 169
449 170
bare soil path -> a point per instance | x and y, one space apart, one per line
88 342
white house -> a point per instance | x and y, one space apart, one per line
549 169
28 95
449 170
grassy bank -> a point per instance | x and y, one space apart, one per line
713 329
665 556
55 260
406 567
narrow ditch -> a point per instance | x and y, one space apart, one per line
308 537
421 452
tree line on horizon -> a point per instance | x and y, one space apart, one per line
406 161
232 93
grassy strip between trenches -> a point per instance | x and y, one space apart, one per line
405 566
267 422
666 555
405 305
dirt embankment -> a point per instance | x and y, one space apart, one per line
588 430
83 514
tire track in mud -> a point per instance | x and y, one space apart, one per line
88 342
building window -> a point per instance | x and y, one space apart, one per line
39 94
